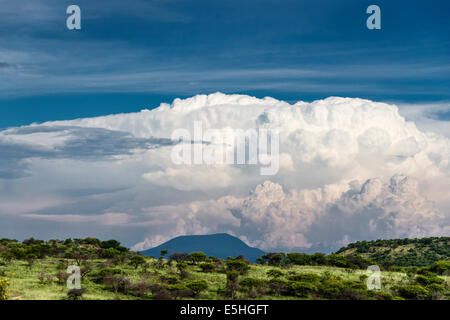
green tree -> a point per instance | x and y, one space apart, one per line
197 257
137 261
163 253
197 286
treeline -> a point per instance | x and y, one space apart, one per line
77 249
316 259
402 252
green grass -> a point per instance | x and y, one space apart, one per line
26 285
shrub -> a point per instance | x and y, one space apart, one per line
331 288
249 283
380 295
197 286
136 261
358 262
31 259
441 267
178 290
181 266
207 267
159 292
4 289
232 283
62 277
100 275
278 286
184 274
275 273
45 278
76 294
237 265
305 277
427 280
139 289
319 259
62 265
352 294
119 283
301 259
110 244
302 289
435 288
172 280
197 257
354 285
274 259
179 256
413 292
110 253
163 253
337 261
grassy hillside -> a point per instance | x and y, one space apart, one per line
38 270
401 252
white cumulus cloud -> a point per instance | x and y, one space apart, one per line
350 169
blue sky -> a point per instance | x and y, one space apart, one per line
130 57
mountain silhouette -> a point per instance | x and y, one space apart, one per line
220 245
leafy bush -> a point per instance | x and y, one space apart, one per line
441 267
45 278
275 273
301 259
413 292
254 287
278 286
427 280
179 290
274 259
110 253
238 265
136 261
435 288
119 283
197 257
62 277
139 289
110 244
4 289
249 283
207 267
353 294
380 295
337 261
179 256
100 275
197 286
302 289
232 283
305 277
172 280
331 288
159 292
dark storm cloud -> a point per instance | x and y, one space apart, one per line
80 143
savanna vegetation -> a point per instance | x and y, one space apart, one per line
36 269
401 252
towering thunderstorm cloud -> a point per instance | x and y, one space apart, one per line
350 169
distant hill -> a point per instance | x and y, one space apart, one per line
220 245
401 252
